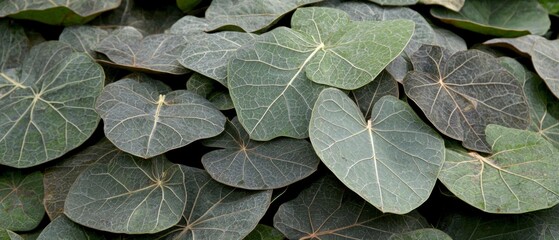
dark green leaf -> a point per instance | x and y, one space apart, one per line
187 5
263 232
83 38
9 235
422 234
211 90
366 96
524 45
21 196
13 45
64 228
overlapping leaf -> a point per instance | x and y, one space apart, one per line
391 160
263 232
269 80
250 15
13 45
545 57
248 164
9 235
47 104
454 5
520 176
462 93
211 90
144 117
327 210
128 48
216 211
366 96
56 12
510 18
395 2
64 228
422 234
126 194
524 45
83 38
449 40
21 196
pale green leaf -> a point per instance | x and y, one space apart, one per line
47 105
545 57
249 164
510 18
210 89
126 194
524 45
463 92
328 210
189 26
454 5
520 176
392 160
64 228
263 232
142 116
13 44
21 196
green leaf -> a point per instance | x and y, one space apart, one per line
250 164
53 83
327 210
210 53
211 90
59 178
395 2
454 5
83 38
524 45
144 117
449 40
545 57
250 15
366 96
216 211
126 194
461 93
9 235
187 5
190 27
422 234
274 97
391 160
520 176
510 18
13 45
56 12
552 6
21 196
64 228
128 48
263 232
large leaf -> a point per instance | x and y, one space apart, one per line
462 93
327 210
21 196
56 12
126 194
144 117
47 105
210 53
13 45
510 18
250 164
263 232
210 89
520 176
83 38
391 160
216 211
64 228
454 5
272 93
127 48
59 178
250 15
366 96
545 57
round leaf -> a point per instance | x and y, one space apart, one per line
143 117
391 160
64 228
21 196
47 105
126 194
248 164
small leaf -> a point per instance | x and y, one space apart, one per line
263 232
53 83
366 96
327 210
449 40
462 93
524 45
21 196
391 160
395 2
126 194
56 12
9 235
250 15
422 234
211 90
128 48
144 117
454 5
545 57
83 38
510 18
552 6
520 176
13 45
187 5
64 228
189 26
248 164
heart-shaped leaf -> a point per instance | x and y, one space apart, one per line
126 194
391 160
144 117
216 211
258 165
510 18
21 196
454 5
128 48
263 232
53 84
83 38
211 90
520 176
366 96
56 12
422 234
250 15
13 45
64 228
210 54
279 102
462 93
327 210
